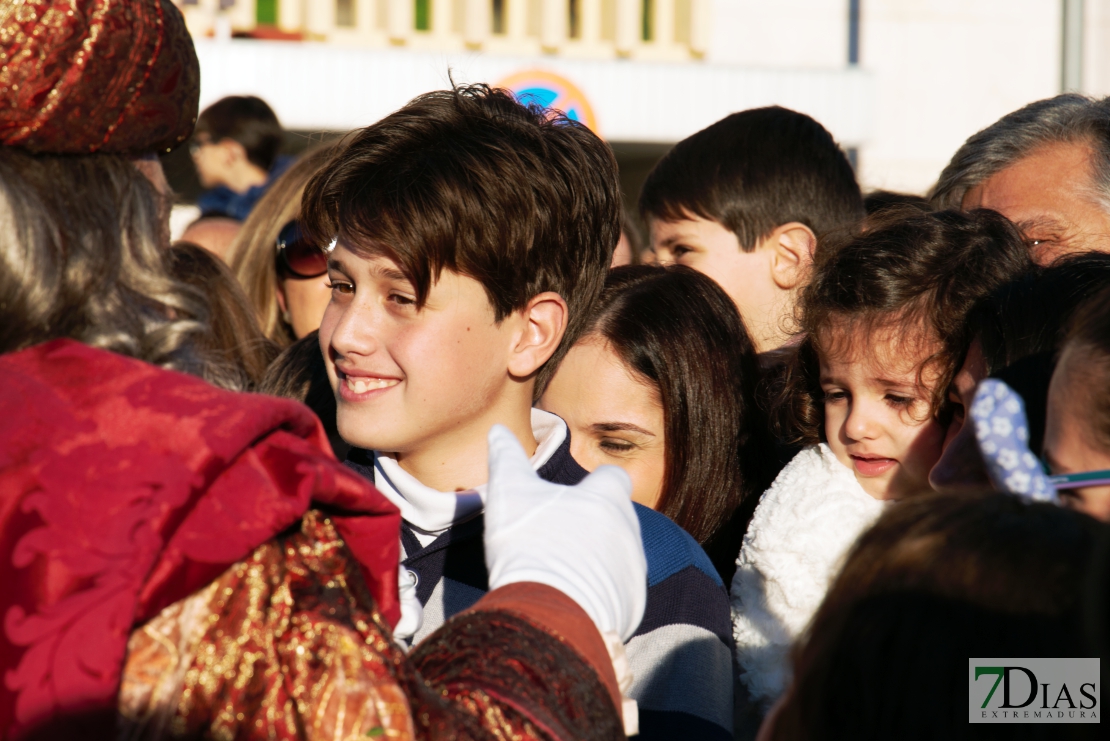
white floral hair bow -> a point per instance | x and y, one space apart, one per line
1002 432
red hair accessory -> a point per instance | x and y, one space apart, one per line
82 76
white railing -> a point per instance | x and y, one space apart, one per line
658 30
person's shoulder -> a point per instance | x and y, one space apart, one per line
683 586
670 549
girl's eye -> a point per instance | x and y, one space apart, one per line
835 396
339 286
614 445
899 401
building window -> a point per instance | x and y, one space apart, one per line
853 31
574 20
499 16
266 12
345 13
648 30
423 15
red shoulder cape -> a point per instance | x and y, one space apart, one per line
124 488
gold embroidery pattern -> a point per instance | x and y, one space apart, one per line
281 646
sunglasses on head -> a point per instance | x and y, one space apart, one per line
297 255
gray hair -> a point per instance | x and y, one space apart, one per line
1066 118
82 256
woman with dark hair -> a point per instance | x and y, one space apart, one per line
940 579
663 385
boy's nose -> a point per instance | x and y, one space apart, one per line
353 331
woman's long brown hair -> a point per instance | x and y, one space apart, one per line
681 332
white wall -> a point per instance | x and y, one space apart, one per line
779 33
316 86
944 69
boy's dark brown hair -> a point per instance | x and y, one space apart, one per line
903 268
247 120
754 171
519 198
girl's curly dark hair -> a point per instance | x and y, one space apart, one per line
899 268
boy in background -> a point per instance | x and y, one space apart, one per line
744 202
235 151
473 238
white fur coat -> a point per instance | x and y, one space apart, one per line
804 525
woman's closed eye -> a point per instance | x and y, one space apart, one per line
615 445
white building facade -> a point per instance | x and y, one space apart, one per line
900 83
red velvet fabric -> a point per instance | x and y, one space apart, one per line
124 488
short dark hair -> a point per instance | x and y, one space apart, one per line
517 197
754 171
678 329
247 120
906 267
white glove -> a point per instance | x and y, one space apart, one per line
412 612
583 540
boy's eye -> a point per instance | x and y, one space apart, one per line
679 250
340 286
401 299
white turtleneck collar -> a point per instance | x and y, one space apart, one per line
429 511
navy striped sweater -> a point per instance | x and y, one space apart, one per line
680 656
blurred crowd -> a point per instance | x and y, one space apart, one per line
416 435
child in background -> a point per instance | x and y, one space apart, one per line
744 201
474 235
883 317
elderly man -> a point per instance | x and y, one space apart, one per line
1047 168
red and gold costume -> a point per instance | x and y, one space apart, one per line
179 561
83 76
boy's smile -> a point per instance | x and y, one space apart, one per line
422 383
355 386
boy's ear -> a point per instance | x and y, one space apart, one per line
543 323
793 244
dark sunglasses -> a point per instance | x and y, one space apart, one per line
299 256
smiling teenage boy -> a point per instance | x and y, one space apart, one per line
744 201
473 238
